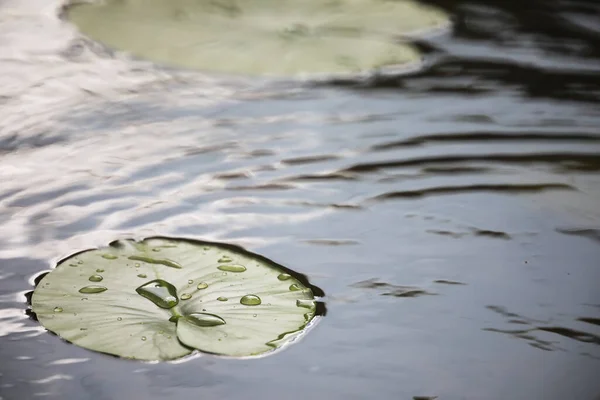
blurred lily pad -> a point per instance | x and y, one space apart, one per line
260 37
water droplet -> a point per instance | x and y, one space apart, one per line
92 289
190 281
58 309
250 300
109 256
160 292
232 268
119 319
162 261
204 309
95 278
294 287
144 338
225 259
142 276
283 277
202 285
224 273
206 248
84 298
99 270
80 262
169 337
221 298
186 296
137 265
254 315
305 304
204 319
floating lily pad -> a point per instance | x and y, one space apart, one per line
161 298
279 37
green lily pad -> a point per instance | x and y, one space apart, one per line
260 37
161 298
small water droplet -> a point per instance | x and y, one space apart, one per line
186 296
254 315
84 298
205 320
137 265
283 277
80 262
224 273
225 259
144 338
58 309
190 281
221 298
202 285
160 292
92 289
95 278
232 268
206 248
99 270
204 309
119 319
305 304
250 300
109 256
142 276
169 337
294 287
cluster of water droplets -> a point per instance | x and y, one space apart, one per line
164 294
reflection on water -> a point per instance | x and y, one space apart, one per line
475 180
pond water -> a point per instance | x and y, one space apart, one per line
452 216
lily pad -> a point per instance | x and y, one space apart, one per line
260 37
161 298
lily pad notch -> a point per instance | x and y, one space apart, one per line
163 298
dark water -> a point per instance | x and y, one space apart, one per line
452 216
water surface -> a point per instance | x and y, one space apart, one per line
452 215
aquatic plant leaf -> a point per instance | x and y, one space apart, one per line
260 37
161 298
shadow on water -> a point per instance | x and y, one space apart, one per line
470 189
